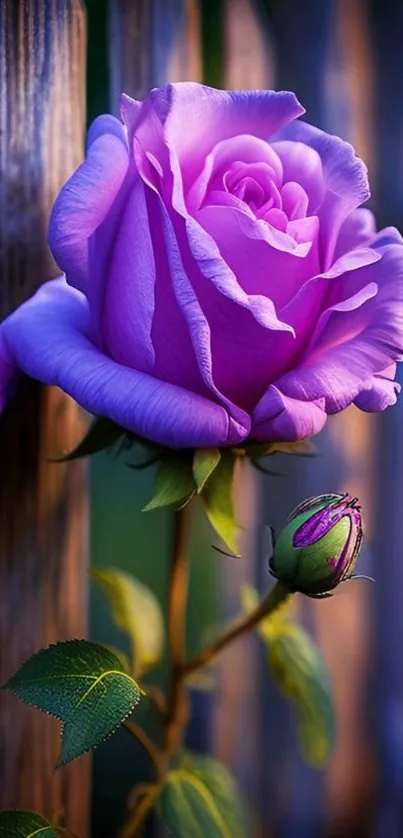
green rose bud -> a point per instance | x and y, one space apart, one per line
318 547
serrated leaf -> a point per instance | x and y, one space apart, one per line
122 657
101 434
199 799
204 463
83 685
136 611
298 668
18 824
174 482
218 501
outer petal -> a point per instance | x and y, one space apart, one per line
85 200
381 392
188 356
49 339
129 111
248 341
279 417
357 342
211 116
345 178
106 124
129 295
358 230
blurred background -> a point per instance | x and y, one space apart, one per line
344 60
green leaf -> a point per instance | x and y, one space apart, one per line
218 501
122 656
174 482
257 450
136 611
300 673
84 686
101 434
205 462
298 668
199 799
15 824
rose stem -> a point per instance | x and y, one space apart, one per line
175 716
135 822
276 597
144 740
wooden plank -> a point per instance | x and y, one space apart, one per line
42 506
152 42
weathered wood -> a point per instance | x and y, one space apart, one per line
42 506
152 42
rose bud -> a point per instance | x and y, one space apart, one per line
318 547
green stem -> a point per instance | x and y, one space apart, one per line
276 597
134 825
177 701
145 741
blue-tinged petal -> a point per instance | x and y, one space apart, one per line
83 203
49 338
282 418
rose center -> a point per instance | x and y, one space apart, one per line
254 184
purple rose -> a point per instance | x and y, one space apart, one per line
220 282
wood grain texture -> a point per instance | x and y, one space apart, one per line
152 42
42 506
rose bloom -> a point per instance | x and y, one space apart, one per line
220 282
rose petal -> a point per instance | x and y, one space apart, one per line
345 177
212 115
106 124
84 201
341 281
129 112
129 299
295 200
380 392
264 260
302 164
191 325
48 338
281 418
357 230
355 344
389 235
243 346
245 148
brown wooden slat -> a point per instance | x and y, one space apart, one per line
43 589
